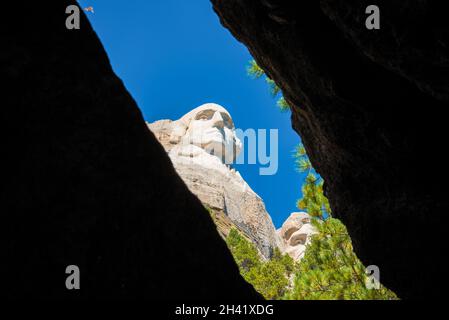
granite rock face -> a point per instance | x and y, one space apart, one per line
227 192
219 187
84 182
370 107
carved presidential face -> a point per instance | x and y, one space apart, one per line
296 233
211 128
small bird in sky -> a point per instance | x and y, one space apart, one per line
90 9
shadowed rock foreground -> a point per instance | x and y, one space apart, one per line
370 108
84 182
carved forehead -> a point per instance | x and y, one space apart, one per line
205 107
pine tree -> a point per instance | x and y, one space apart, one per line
244 252
313 201
270 278
254 70
330 269
257 72
282 104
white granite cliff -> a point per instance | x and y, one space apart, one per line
198 145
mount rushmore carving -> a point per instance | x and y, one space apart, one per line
201 145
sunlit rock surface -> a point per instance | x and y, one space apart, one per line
198 145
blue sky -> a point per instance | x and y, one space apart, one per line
173 55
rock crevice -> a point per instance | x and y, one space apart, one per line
370 108
85 183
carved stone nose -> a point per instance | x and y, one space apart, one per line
217 120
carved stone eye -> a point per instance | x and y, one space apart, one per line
298 238
227 120
204 116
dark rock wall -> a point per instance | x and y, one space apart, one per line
370 107
84 182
